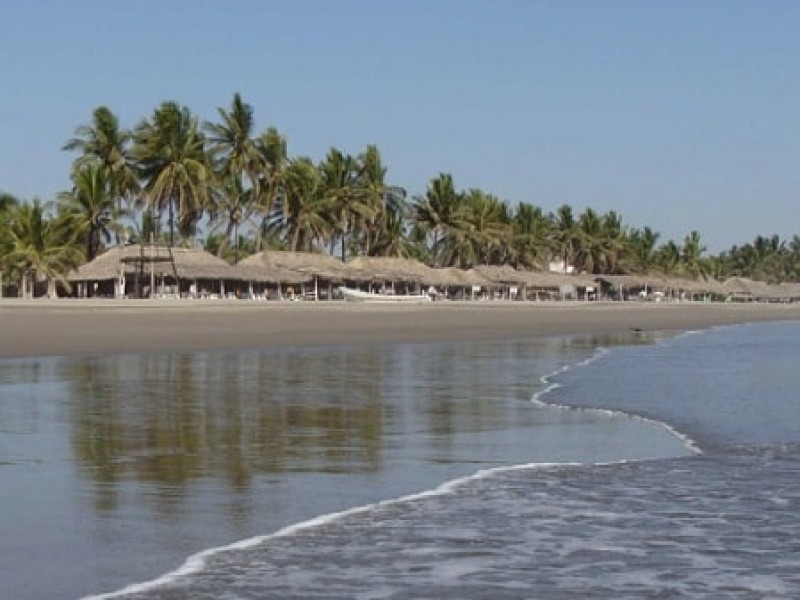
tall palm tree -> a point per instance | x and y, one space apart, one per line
393 240
387 202
169 149
274 157
566 234
301 216
530 236
40 247
692 255
435 212
478 232
107 145
8 204
590 245
229 207
88 208
615 237
668 258
238 167
639 251
347 203
231 144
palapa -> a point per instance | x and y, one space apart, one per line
257 268
501 274
313 264
388 268
742 287
187 263
454 277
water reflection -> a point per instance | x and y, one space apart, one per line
142 460
172 419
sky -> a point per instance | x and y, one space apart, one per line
680 115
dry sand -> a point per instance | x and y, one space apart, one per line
62 327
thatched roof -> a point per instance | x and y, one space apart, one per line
258 268
699 285
742 286
501 274
453 277
311 264
387 268
189 263
787 291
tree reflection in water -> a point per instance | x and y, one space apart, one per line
175 418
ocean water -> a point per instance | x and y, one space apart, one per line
630 466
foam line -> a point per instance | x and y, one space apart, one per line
549 386
196 563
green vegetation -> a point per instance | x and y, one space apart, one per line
174 179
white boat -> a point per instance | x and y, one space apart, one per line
352 295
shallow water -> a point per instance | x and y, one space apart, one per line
114 469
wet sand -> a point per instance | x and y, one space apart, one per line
64 327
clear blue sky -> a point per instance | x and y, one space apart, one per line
678 114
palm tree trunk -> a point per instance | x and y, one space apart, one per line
171 223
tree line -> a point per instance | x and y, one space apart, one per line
175 179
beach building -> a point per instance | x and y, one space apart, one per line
321 274
390 275
152 271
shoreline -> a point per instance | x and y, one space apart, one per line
81 327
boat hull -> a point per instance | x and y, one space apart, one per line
352 295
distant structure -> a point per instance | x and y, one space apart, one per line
559 266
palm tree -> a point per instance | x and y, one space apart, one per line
169 149
301 216
392 238
638 254
590 245
229 206
668 258
435 212
478 233
105 144
272 149
231 144
238 167
347 203
8 204
40 247
88 208
566 234
387 202
530 230
615 238
692 255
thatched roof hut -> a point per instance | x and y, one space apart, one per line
701 285
387 268
187 263
258 268
501 274
787 291
454 277
311 264
747 289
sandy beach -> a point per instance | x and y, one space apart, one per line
63 327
